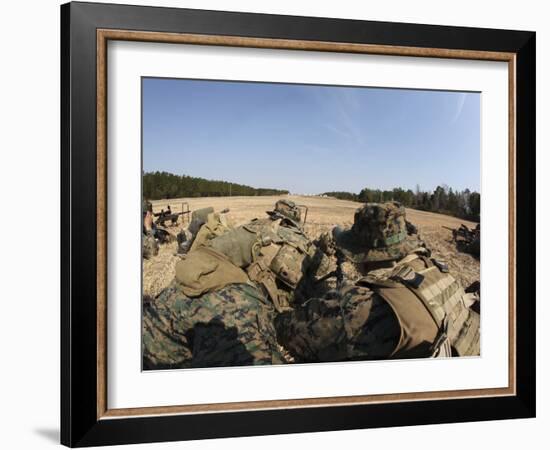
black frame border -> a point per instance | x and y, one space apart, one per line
79 423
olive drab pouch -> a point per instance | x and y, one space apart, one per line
290 264
260 272
205 270
240 245
215 225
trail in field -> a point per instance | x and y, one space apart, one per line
323 214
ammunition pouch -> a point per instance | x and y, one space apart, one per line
260 273
289 265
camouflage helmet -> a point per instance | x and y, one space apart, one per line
379 233
146 206
288 209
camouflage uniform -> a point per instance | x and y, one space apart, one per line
408 307
355 325
229 327
149 245
274 252
221 306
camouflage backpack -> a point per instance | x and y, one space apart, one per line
287 209
275 257
430 305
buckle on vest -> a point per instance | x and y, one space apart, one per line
408 276
441 338
260 273
443 267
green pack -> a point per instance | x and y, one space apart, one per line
205 270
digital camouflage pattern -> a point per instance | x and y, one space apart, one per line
288 209
354 325
414 309
150 246
230 327
379 233
277 294
212 316
146 206
277 256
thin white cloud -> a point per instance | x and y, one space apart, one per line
338 131
342 107
459 105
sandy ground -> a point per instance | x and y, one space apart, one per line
323 214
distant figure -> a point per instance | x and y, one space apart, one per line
150 246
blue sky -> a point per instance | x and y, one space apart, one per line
311 139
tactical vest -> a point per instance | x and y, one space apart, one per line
275 257
430 306
281 264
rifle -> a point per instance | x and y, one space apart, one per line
163 216
173 217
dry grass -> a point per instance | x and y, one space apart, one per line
323 215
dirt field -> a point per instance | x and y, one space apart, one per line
323 214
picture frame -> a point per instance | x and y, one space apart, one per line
86 418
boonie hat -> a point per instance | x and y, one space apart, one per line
379 233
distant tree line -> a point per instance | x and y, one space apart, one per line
342 195
161 185
464 204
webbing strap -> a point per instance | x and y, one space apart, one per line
260 273
470 298
436 311
441 345
469 338
395 238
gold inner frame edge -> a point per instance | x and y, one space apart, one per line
103 36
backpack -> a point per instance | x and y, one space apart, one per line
262 251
